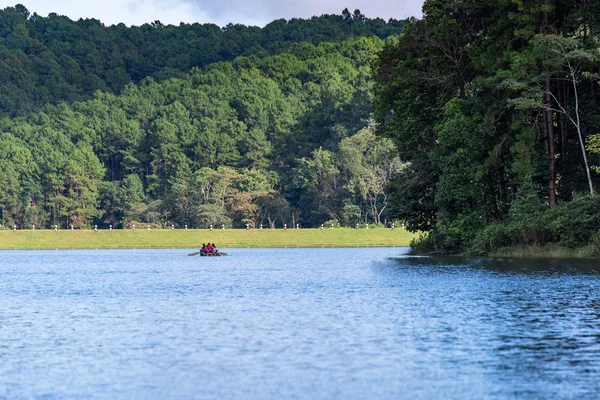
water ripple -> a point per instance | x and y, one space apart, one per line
296 323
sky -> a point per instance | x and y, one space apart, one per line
220 12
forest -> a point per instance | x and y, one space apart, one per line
494 108
477 125
191 125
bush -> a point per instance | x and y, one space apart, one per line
421 245
334 222
141 225
493 237
573 224
594 246
526 224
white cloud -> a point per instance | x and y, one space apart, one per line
247 12
111 12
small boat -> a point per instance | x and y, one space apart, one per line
217 254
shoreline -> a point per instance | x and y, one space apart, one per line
548 251
533 252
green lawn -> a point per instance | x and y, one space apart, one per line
193 238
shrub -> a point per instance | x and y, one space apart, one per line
526 225
334 222
594 246
421 245
574 223
493 237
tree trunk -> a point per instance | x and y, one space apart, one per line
549 128
578 126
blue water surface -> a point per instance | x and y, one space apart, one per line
341 323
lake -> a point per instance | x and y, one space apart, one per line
326 323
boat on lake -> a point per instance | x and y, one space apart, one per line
217 254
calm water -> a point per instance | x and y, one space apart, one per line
295 324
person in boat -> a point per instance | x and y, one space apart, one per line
214 248
203 250
209 249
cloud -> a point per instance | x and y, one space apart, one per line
111 12
274 9
247 12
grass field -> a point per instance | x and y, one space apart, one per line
193 238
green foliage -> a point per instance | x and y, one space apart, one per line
212 214
53 59
493 237
593 147
572 224
269 140
575 223
488 103
525 217
595 245
331 223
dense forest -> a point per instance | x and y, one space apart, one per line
191 125
495 108
52 59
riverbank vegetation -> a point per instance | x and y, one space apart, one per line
193 238
495 108
191 125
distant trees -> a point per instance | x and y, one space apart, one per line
348 185
268 140
52 59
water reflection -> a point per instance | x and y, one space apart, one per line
510 265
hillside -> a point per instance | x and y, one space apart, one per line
53 59
260 139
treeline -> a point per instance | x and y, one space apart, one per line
495 105
53 59
274 140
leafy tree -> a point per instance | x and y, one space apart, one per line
482 99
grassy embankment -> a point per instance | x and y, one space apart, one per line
192 238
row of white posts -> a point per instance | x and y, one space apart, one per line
211 227
110 227
261 226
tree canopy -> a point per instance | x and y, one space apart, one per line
494 107
171 125
53 59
